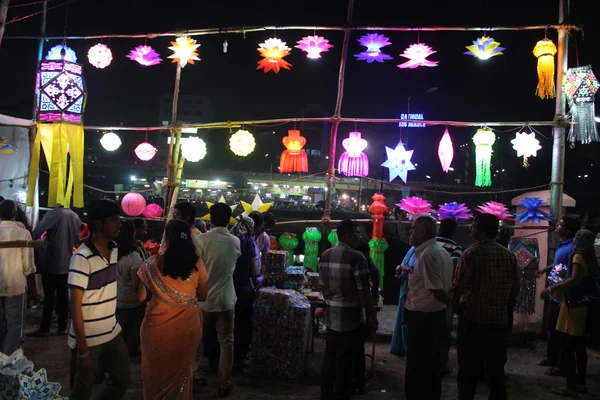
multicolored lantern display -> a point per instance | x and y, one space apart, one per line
580 87
110 141
453 210
532 212
484 48
194 149
56 54
415 207
61 95
145 151
100 56
484 139
499 210
311 238
545 50
313 46
373 42
398 162
153 211
133 204
417 56
446 151
273 51
257 205
242 143
333 238
378 244
288 242
353 162
184 51
145 55
526 146
293 159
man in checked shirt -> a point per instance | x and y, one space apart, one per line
486 287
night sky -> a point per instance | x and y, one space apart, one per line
499 89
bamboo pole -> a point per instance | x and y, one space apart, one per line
174 143
13 244
3 14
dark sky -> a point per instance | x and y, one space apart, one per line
500 89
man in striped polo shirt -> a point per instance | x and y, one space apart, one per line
95 335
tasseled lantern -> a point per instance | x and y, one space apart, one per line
378 244
293 159
484 140
545 50
353 162
580 87
333 237
288 242
311 238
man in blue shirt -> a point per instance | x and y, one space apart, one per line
566 230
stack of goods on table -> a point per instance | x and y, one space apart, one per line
280 335
312 281
294 278
279 275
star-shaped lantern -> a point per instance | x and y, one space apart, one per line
313 46
184 51
38 387
417 56
398 162
484 48
221 200
373 42
145 55
257 205
273 50
526 146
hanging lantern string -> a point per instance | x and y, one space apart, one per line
28 4
18 19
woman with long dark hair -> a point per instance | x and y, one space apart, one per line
172 328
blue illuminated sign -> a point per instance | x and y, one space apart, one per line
412 117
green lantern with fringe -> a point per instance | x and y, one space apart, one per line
378 247
288 242
311 238
333 237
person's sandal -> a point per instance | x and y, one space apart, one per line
226 391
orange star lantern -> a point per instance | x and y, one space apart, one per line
293 159
273 50
184 51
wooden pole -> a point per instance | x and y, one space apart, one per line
13 244
173 145
337 115
40 53
3 14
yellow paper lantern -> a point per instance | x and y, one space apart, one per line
193 149
242 143
545 50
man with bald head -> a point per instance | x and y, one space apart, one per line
429 285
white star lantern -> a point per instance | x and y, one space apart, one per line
257 205
398 162
221 200
526 146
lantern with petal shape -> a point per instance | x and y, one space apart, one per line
446 151
133 204
415 207
194 149
484 139
532 211
484 48
145 55
417 56
110 141
498 210
580 88
56 54
453 210
153 211
353 162
273 51
545 50
242 143
293 159
100 56
313 46
184 51
373 42
526 146
145 151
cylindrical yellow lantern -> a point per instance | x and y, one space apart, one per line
545 50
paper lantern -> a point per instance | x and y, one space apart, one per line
153 211
184 51
353 162
377 252
415 207
373 42
484 140
61 92
311 238
288 242
532 212
257 205
273 51
242 143
145 151
484 48
232 220
133 204
446 151
55 54
545 50
526 146
145 55
34 385
294 159
378 245
194 149
398 162
313 46
499 210
417 56
100 56
580 87
110 141
333 238
455 211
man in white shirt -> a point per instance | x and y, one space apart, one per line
15 264
220 250
429 285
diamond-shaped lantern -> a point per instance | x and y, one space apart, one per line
61 92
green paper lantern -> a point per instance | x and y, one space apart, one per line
484 139
333 237
378 247
311 238
288 242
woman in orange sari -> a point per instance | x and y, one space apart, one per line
172 327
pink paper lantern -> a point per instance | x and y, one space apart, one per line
133 204
152 211
353 162
446 151
145 151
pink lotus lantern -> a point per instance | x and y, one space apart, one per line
313 46
446 151
152 211
497 209
133 204
145 151
415 207
353 162
417 56
145 55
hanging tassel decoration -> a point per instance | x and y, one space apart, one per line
545 50
580 87
311 238
484 139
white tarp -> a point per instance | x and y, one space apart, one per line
14 167
12 121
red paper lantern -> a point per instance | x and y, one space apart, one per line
294 159
152 211
133 204
145 151
378 208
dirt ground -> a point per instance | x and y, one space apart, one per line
525 379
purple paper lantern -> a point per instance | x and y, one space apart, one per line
353 162
145 55
373 42
454 210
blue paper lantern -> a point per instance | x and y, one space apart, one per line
532 212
